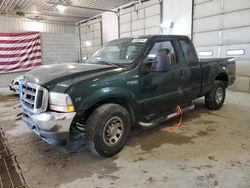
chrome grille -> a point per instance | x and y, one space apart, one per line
34 98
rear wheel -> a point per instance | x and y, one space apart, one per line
107 129
216 97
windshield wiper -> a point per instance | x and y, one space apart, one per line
108 63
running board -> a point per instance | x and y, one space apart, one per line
170 116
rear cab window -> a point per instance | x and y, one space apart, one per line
188 51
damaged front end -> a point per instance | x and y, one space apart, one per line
52 126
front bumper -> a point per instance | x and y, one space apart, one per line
52 127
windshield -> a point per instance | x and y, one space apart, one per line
121 51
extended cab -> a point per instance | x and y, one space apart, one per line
128 81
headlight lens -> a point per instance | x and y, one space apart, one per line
60 102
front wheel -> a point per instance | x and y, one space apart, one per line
216 97
107 129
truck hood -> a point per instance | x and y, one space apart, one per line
52 74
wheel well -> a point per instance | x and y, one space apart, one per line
114 100
223 78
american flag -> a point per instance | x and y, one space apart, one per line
20 51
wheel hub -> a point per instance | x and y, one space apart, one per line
219 95
113 131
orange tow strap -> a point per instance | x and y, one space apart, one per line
178 125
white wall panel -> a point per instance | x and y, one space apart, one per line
236 19
125 27
125 18
97 42
152 21
127 10
138 14
128 34
138 25
90 35
143 18
152 31
209 38
91 27
232 5
208 8
153 10
97 26
137 33
207 24
236 35
97 34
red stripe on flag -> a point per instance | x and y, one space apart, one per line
19 48
21 67
22 61
17 34
18 41
19 55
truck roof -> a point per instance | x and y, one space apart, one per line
155 36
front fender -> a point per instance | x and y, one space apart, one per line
106 93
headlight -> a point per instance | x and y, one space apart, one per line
60 102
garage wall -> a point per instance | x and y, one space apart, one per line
221 28
143 18
91 36
60 43
147 18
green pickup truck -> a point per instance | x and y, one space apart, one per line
127 82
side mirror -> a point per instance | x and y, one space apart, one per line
149 64
157 63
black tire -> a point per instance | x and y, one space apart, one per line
216 97
98 140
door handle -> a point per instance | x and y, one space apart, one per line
182 74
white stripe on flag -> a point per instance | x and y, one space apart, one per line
20 51
20 64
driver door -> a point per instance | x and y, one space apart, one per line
160 87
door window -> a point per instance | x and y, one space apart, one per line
161 55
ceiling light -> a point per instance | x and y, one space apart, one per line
61 8
88 43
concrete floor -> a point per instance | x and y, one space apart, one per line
212 149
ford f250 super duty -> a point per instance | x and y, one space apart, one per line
128 81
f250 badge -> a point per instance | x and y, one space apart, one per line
132 82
